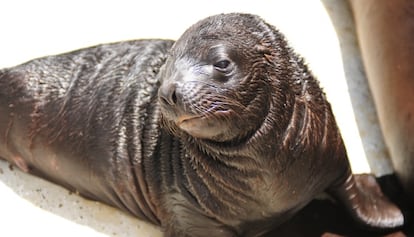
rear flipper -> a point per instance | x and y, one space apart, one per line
363 198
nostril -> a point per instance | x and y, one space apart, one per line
164 100
174 97
167 94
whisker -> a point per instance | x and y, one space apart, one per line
205 83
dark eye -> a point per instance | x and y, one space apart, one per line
222 65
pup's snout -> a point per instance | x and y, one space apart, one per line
167 93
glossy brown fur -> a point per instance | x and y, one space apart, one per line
61 119
178 138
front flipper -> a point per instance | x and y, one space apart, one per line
363 198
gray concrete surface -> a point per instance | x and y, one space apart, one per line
322 31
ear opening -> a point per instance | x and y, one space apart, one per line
265 51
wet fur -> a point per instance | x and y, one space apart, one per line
93 121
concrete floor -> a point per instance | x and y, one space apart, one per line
322 31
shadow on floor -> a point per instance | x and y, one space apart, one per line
324 218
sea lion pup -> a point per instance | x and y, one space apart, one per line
226 133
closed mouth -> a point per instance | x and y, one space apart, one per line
186 118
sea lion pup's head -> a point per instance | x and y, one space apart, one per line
220 77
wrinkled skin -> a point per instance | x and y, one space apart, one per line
224 133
